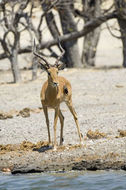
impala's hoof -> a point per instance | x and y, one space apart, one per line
50 143
54 148
82 143
61 144
61 141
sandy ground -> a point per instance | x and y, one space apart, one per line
99 100
98 97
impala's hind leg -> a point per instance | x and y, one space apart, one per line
70 106
61 117
45 109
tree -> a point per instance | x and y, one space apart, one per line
10 22
120 6
15 20
91 9
72 57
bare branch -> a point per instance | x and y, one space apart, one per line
109 29
24 5
5 15
89 26
107 10
4 44
62 52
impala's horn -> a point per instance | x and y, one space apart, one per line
62 53
38 55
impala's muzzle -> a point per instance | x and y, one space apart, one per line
55 84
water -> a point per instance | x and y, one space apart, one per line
109 180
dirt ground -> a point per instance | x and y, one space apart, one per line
100 102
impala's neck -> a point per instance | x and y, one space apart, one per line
53 87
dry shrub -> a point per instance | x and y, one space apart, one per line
8 148
24 146
95 134
24 112
122 133
4 115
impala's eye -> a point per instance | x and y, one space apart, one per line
49 73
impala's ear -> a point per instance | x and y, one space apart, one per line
60 66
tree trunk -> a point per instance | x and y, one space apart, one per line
71 47
122 24
121 9
14 66
91 9
34 68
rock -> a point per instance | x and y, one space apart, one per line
6 170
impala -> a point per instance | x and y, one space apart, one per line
55 90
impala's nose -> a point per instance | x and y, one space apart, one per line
55 84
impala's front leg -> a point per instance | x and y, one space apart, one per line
55 124
47 122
